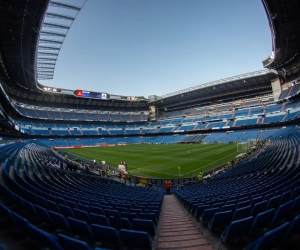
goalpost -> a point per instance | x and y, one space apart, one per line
245 146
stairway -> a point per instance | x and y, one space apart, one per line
177 230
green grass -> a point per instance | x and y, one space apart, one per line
162 161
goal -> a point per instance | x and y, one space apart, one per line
245 146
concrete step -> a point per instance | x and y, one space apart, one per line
177 230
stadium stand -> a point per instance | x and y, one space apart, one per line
47 203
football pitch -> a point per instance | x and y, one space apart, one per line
161 160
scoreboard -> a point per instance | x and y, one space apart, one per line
88 94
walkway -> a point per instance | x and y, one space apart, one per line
177 231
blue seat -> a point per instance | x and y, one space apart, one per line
263 220
119 224
144 225
66 211
114 213
97 210
148 216
242 204
200 210
270 239
135 210
136 239
274 202
282 212
43 202
237 229
218 204
71 243
295 193
53 206
242 213
258 208
121 209
61 201
44 238
293 228
285 197
82 215
129 216
71 204
296 204
80 228
84 207
208 214
107 235
256 200
42 214
20 223
230 207
99 219
30 208
220 220
59 221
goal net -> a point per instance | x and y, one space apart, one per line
245 146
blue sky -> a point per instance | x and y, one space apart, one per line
145 47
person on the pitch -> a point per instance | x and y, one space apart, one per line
200 177
168 186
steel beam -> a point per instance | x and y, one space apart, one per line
55 25
50 41
64 5
59 16
48 48
48 33
47 54
46 59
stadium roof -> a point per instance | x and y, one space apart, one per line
284 21
20 23
30 42
246 84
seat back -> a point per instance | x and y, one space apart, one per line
242 213
258 208
144 225
106 234
149 216
208 214
71 243
82 215
136 239
44 238
80 228
272 238
99 219
120 223
228 208
59 221
274 202
66 211
237 229
84 207
220 220
129 216
263 219
114 213
282 212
